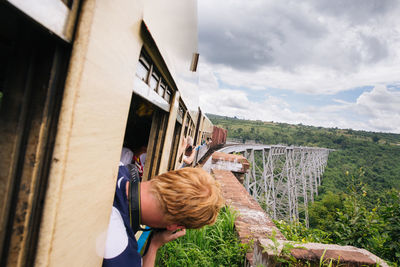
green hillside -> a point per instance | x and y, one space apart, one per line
359 200
377 153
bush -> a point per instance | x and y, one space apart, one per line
351 219
297 231
390 212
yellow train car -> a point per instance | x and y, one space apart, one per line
78 81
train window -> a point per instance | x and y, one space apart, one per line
143 69
156 141
175 146
168 95
154 79
185 132
190 128
152 85
180 114
181 111
32 73
144 135
162 88
137 133
157 91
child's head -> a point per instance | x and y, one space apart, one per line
189 197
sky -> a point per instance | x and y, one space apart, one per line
316 62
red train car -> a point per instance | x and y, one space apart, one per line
218 137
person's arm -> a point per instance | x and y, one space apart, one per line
182 147
159 239
190 159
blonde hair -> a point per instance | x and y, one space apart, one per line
189 197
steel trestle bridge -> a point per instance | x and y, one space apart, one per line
283 179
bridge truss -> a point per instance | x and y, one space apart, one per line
283 179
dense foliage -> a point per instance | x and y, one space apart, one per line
359 198
297 231
216 245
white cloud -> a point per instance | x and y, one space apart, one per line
382 107
378 110
311 80
236 103
380 99
316 47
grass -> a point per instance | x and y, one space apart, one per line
216 245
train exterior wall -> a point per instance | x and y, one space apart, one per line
173 25
93 117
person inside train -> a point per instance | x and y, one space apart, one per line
135 147
192 202
203 142
209 141
126 155
189 153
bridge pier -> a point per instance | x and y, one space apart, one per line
283 178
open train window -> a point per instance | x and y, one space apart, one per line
32 73
144 135
175 146
186 131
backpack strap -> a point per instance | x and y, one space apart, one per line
134 206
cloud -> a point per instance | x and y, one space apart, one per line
232 103
380 99
309 80
315 47
255 34
382 107
291 34
356 11
377 110
302 46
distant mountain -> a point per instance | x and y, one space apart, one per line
377 154
292 134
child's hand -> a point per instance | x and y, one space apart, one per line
163 237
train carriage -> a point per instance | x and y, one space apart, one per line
78 81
